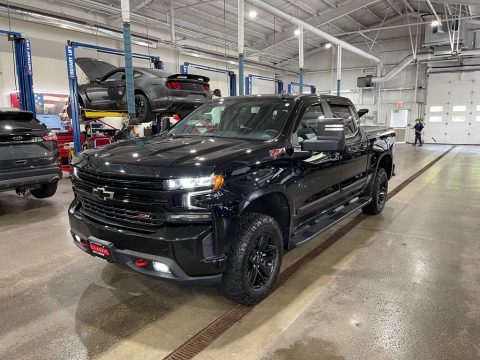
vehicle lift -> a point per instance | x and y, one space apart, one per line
23 64
231 75
290 87
73 85
249 83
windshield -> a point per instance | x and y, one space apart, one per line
256 119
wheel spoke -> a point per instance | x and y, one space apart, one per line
253 275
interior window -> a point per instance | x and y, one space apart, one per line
343 112
117 76
308 126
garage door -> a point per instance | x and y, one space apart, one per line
453 108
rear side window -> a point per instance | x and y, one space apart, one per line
344 112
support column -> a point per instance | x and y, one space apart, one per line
172 22
127 47
301 62
241 48
339 69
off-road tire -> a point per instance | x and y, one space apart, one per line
379 194
235 283
45 191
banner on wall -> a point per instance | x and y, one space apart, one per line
46 104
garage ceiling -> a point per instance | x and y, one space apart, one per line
267 39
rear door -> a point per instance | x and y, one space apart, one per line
317 187
353 170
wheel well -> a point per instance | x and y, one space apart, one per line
276 206
386 163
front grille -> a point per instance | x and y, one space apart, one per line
121 217
124 182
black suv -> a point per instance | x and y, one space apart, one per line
28 162
219 197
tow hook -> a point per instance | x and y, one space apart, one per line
23 191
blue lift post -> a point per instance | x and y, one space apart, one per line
290 87
249 83
23 65
73 84
233 78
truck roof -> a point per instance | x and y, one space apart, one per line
329 98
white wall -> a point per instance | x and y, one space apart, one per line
381 100
50 69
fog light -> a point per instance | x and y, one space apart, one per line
161 267
77 238
84 243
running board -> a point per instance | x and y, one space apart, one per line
325 222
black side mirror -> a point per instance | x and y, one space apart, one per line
362 112
330 136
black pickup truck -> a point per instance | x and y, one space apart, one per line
28 161
220 196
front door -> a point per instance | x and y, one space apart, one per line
109 93
316 188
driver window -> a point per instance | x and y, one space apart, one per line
342 111
116 76
308 126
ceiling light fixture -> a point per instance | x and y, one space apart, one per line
252 14
328 45
435 23
297 32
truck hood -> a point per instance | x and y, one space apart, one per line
169 157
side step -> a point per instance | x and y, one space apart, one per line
325 222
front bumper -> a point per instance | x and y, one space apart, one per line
184 255
29 177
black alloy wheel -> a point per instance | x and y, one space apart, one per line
379 193
262 261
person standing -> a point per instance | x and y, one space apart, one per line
217 94
418 132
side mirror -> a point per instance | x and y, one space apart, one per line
362 112
330 136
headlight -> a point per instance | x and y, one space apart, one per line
213 181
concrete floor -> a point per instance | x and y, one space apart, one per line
401 285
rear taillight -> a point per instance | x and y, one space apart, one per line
206 87
174 85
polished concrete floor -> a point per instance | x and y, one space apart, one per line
401 285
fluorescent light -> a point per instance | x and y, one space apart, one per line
297 32
252 14
328 45
435 23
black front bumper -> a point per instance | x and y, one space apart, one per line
184 255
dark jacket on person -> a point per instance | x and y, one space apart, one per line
418 127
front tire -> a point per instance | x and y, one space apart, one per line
45 191
379 194
254 260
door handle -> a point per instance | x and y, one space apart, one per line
20 162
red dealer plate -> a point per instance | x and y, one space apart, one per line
100 251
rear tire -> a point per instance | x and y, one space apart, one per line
379 194
45 191
142 109
254 260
